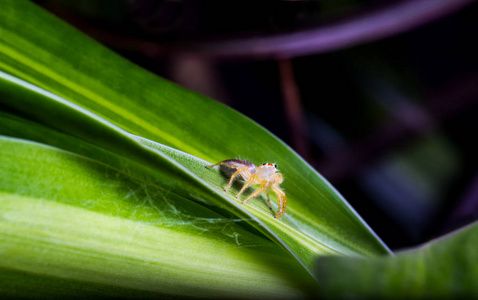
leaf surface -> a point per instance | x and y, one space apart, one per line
121 115
443 268
71 220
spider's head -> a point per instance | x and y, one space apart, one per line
266 170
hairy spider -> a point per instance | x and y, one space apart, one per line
265 175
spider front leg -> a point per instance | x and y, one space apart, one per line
268 200
282 201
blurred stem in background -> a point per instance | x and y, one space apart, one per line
293 109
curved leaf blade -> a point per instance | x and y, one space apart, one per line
441 269
73 219
166 162
116 91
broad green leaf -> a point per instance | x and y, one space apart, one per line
165 165
79 226
443 268
98 87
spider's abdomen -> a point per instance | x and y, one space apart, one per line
231 165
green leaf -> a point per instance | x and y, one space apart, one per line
443 268
165 162
80 97
87 225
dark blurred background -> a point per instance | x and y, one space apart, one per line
381 97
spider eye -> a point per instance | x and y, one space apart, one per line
275 166
263 164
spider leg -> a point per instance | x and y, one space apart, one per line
247 173
247 184
208 167
268 200
222 163
282 201
256 193
279 179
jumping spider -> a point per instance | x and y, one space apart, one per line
265 175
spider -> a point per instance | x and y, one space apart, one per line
265 175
